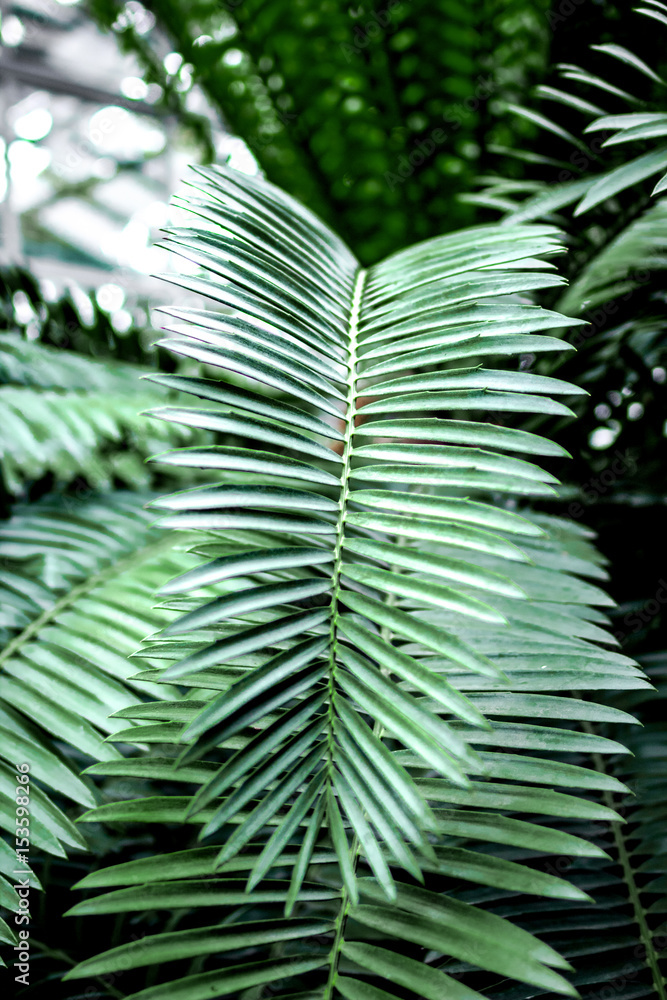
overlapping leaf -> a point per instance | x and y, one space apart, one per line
76 588
381 677
71 416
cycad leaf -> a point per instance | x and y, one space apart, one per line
354 631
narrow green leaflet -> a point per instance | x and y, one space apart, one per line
368 655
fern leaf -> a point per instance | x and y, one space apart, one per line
366 702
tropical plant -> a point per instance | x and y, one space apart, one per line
385 591
617 945
371 115
603 183
375 744
67 415
606 197
75 550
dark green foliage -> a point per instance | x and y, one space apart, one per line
375 117
608 196
76 553
372 712
374 741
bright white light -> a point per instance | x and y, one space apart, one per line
195 102
226 29
137 232
34 125
83 304
131 248
121 320
155 214
136 16
125 135
110 297
172 62
27 161
104 168
185 77
13 31
635 411
232 57
22 308
134 88
601 438
138 256
3 170
237 155
48 289
125 196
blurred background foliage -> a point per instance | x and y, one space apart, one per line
383 118
337 101
380 117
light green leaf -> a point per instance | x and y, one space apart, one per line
625 176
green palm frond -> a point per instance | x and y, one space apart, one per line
72 416
622 134
30 363
386 672
602 189
617 270
69 567
619 943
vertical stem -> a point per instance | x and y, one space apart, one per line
350 413
348 429
645 935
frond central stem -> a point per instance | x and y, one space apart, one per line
350 414
348 431
650 955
